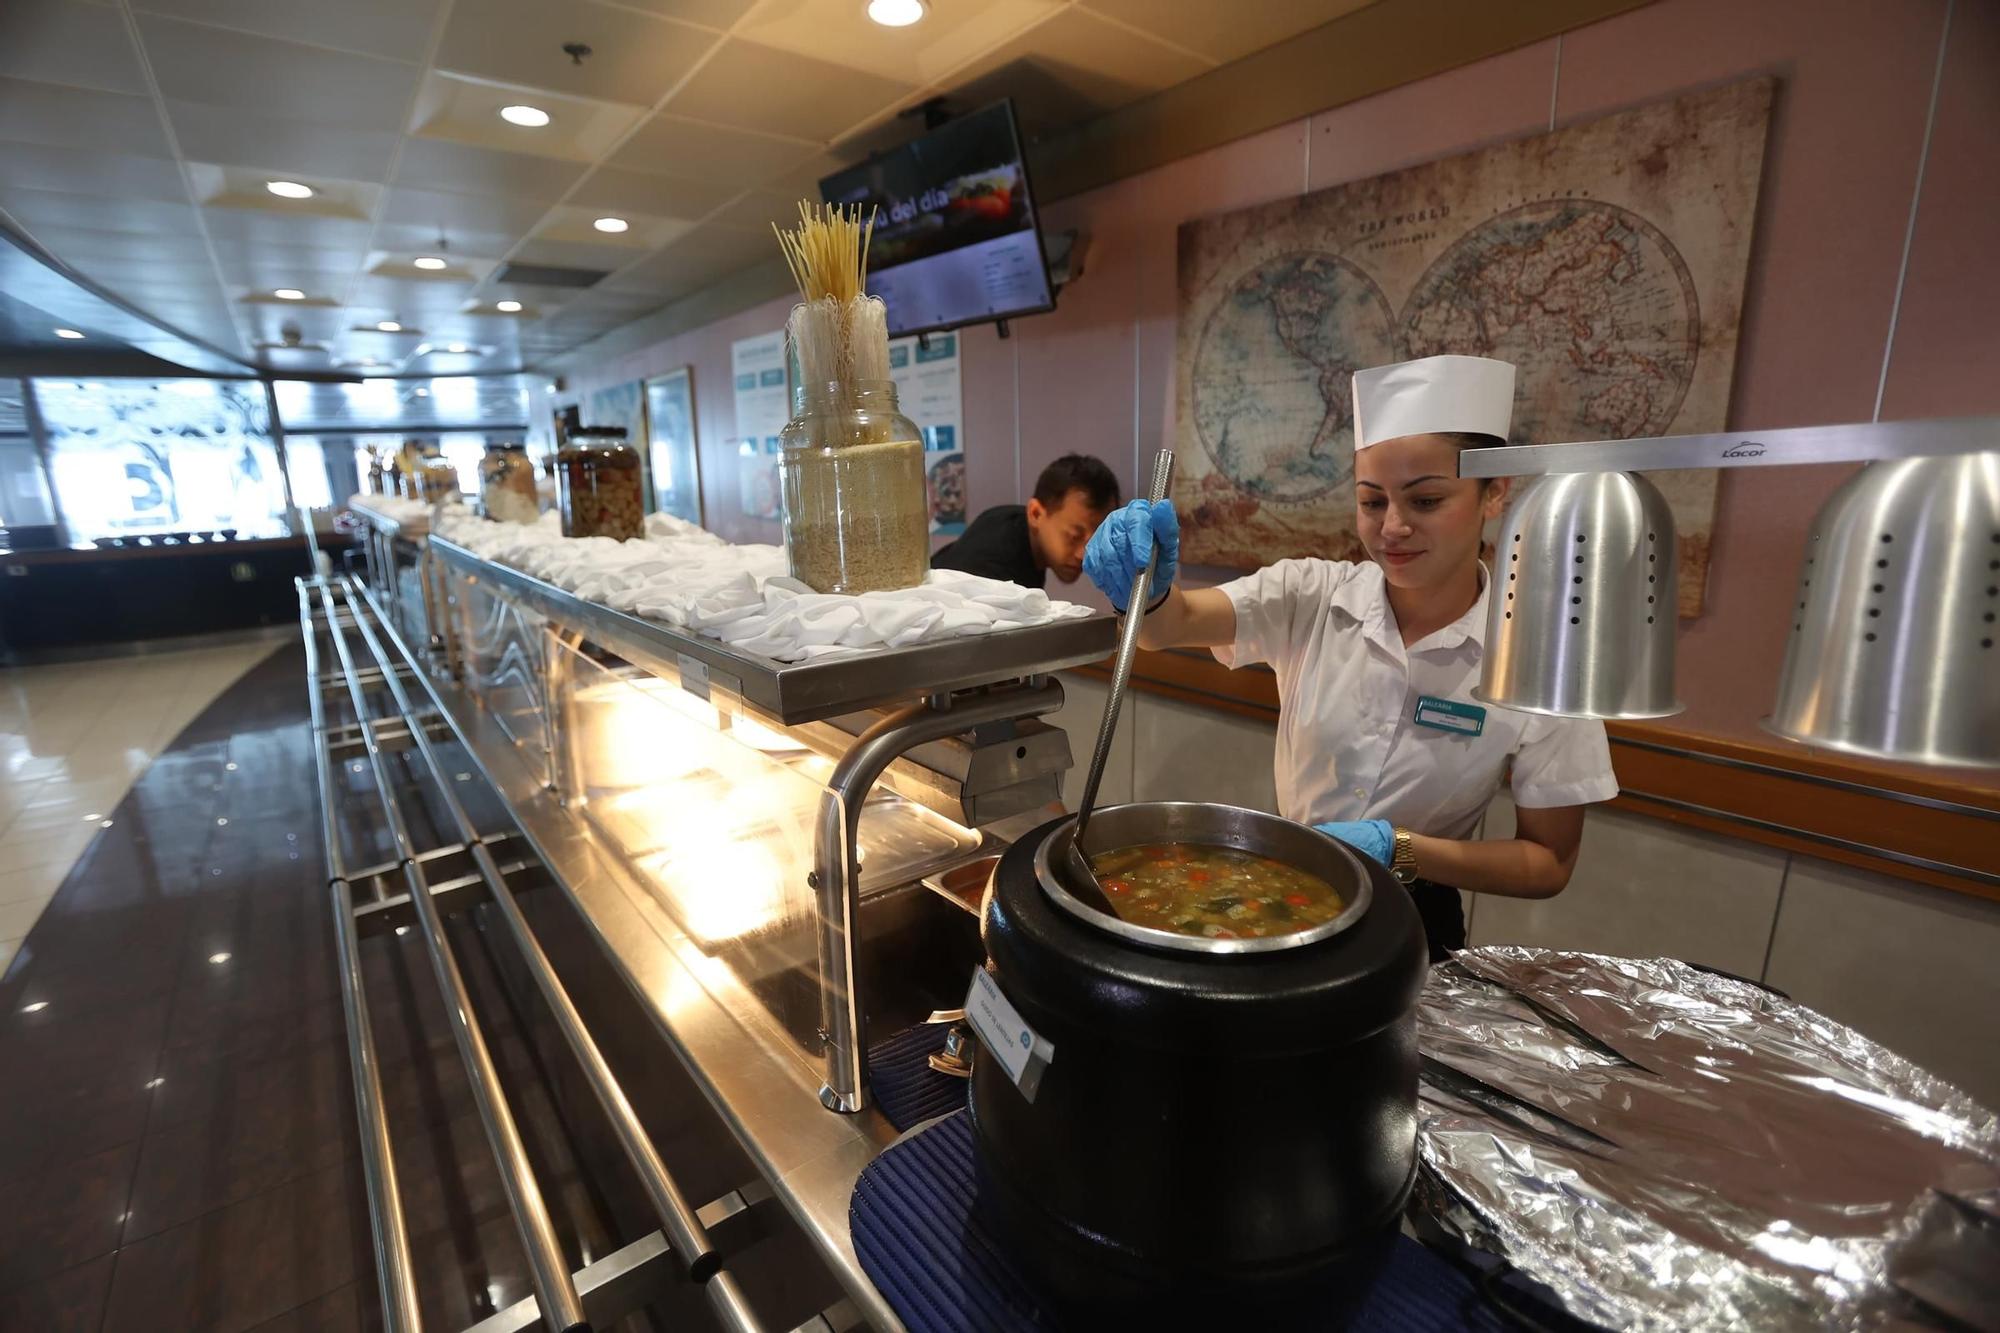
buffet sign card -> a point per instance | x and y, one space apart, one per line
1005 1036
930 390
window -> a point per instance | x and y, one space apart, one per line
151 456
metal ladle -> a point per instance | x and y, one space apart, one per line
1083 879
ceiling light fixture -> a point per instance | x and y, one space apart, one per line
68 333
390 326
508 307
430 262
613 225
289 294
896 13
220 958
455 347
289 189
532 117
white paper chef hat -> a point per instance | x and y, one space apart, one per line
1435 395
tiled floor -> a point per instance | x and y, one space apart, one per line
178 1149
73 737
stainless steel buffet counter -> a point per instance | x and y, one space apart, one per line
579 718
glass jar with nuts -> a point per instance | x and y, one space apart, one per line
600 485
507 484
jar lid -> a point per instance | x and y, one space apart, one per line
598 433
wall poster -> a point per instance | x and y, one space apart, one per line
1606 260
929 388
763 405
672 453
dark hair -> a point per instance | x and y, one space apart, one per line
1077 472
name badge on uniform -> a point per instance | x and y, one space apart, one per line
1450 715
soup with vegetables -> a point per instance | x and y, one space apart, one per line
1218 892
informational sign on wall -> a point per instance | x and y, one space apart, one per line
763 404
930 388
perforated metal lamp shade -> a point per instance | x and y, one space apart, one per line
1895 643
1580 615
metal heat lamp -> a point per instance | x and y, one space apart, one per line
1895 646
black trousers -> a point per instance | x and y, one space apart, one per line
1443 914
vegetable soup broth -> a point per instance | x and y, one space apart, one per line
1218 892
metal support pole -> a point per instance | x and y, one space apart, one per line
677 1217
554 1288
397 1282
837 875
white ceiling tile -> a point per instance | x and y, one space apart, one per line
575 254
279 144
712 152
53 209
451 212
467 110
613 190
77 246
1075 66
196 63
436 165
393 29
754 87
634 58
114 175
48 113
64 41
840 31
237 226
710 13
415 238
1225 32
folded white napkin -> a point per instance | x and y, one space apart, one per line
686 577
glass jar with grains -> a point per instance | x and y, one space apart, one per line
507 484
434 483
853 476
600 487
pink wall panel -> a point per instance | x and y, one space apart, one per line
1947 354
1505 97
1097 375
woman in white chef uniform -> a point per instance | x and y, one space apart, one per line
1380 742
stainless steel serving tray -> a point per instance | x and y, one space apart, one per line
793 692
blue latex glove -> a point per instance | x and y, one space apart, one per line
1370 837
1123 543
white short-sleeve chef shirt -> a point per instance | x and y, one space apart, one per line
1349 745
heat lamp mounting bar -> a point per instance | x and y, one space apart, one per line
1865 442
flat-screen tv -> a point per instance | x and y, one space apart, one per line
956 239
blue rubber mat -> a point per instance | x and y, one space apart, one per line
906 1089
934 1258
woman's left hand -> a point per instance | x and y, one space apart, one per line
1370 837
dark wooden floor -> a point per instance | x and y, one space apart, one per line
177 1138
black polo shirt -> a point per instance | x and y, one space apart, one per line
996 546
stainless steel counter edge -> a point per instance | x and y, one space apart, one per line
810 1156
810 691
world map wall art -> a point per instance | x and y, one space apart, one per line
1606 260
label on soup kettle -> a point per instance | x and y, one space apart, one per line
1005 1035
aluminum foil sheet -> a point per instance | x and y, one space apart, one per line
1665 1148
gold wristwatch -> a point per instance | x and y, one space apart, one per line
1403 861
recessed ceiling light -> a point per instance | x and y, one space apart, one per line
896 13
423 393
431 262
68 333
455 347
289 189
219 958
35 1008
289 294
508 307
531 116
611 224
390 326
